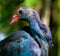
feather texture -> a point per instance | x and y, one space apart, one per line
30 42
19 45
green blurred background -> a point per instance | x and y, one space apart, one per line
49 11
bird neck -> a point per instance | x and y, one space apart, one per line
35 30
43 27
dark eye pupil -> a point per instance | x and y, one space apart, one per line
20 12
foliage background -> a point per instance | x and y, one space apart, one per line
49 11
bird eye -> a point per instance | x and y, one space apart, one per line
20 12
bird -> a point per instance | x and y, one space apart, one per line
19 43
12 41
24 13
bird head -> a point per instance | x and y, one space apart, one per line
23 13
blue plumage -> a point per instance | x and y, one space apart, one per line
18 44
21 43
43 27
32 17
27 15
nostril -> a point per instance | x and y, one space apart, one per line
20 12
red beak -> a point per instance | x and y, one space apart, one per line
14 19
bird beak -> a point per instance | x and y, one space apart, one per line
14 19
